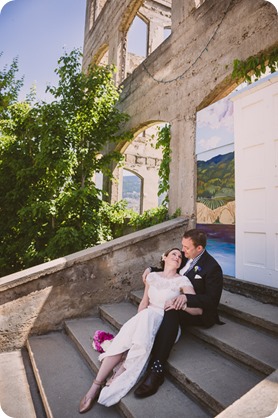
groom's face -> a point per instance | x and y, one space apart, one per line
189 249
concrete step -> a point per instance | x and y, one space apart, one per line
169 401
241 307
250 310
205 370
16 400
253 347
63 377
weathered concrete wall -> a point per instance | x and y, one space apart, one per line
39 299
188 71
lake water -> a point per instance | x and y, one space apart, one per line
221 245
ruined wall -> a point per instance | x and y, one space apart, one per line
188 71
39 299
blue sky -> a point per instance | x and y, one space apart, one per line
38 32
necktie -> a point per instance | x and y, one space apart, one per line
187 267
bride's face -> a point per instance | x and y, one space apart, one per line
174 258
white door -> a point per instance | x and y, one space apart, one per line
256 181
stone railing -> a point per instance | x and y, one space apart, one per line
39 299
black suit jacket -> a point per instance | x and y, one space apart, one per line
207 279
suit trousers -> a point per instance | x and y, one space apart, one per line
168 331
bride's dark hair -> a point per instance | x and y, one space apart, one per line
166 253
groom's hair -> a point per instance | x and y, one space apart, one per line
197 236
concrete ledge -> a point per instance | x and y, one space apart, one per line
259 402
16 400
39 299
264 294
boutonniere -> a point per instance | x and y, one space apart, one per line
197 269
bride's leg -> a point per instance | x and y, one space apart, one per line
107 365
118 369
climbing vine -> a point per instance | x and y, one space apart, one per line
163 142
255 66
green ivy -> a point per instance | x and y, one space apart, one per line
255 66
163 141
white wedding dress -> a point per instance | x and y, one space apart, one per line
137 336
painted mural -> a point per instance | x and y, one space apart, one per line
216 181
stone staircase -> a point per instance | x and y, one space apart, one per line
229 368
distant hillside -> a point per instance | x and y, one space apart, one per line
131 191
131 184
216 180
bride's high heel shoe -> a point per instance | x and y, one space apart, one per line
87 402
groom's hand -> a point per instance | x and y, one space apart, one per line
180 302
169 305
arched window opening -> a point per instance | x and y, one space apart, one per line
95 7
137 44
132 190
143 159
150 27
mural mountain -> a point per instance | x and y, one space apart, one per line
216 180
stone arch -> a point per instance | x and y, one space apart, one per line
142 159
186 74
101 56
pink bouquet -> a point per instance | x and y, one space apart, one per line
101 341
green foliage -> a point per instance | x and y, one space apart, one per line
9 86
114 220
49 154
255 66
163 141
151 217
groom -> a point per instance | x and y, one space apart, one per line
206 277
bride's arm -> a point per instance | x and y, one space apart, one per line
145 300
191 311
179 302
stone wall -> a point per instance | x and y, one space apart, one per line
39 299
191 69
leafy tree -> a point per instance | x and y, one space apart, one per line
49 154
9 86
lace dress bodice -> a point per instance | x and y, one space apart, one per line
162 289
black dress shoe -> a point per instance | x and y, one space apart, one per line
150 384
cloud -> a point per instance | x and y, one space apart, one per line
205 144
217 115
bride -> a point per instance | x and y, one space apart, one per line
131 347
